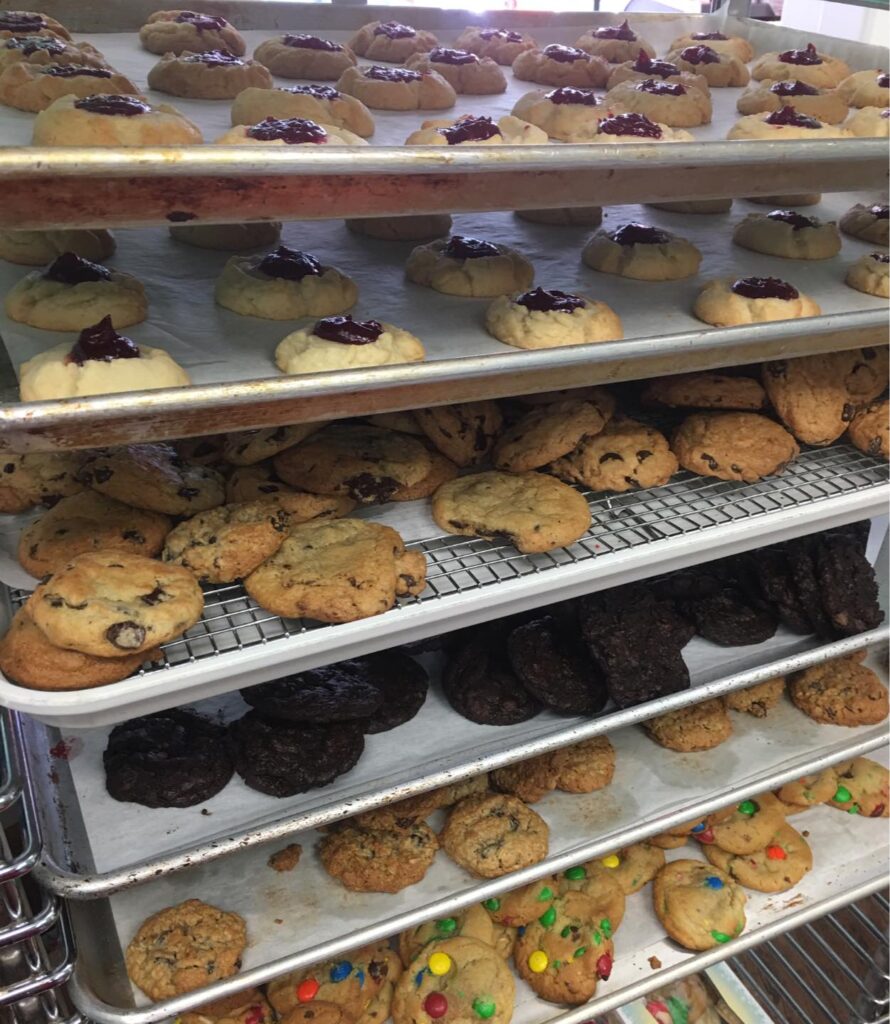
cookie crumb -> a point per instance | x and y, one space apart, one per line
286 859
205 812
654 963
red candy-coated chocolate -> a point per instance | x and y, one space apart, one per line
705 837
879 810
255 1015
604 967
776 853
307 990
435 1005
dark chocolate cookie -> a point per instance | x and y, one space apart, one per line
403 683
646 611
284 758
848 585
802 563
481 685
334 693
724 614
773 575
555 666
168 759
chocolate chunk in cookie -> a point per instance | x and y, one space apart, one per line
284 758
169 759
333 693
464 433
481 685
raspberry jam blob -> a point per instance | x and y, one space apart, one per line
789 117
796 220
320 92
112 106
544 300
213 58
883 80
202 22
347 331
705 36
879 211
444 55
661 88
299 41
622 31
462 247
394 30
505 35
568 94
74 71
292 130
764 288
470 129
379 74
102 343
70 268
21 22
564 54
880 257
637 125
639 234
31 44
290 264
793 88
807 57
700 55
650 66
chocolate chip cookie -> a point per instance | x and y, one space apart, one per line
698 905
531 511
154 477
284 758
697 727
705 391
840 692
340 692
111 603
733 446
247 447
810 396
869 430
492 835
415 808
169 759
548 432
779 866
38 478
530 780
185 947
247 483
757 700
480 684
379 859
624 456
463 433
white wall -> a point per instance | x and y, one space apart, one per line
844 21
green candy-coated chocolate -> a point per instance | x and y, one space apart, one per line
580 951
545 894
842 795
748 807
575 874
484 1008
566 932
548 917
493 904
446 926
606 926
720 937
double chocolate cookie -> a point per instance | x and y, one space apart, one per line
168 759
333 693
724 613
481 685
403 684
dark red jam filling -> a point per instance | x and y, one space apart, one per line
809 56
442 55
31 44
879 212
885 112
380 74
880 257
320 92
394 30
470 129
629 124
101 342
564 54
790 117
74 71
703 36
661 88
21 22
700 55
567 94
764 288
202 22
290 264
542 300
462 247
71 269
793 88
622 31
213 58
112 106
883 80
500 33
639 234
348 331
292 130
796 220
649 66
302 42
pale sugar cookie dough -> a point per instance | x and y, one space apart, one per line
296 55
320 103
568 114
284 285
645 67
869 122
37 248
213 75
865 89
750 300
766 97
564 216
469 267
788 234
178 31
341 343
228 237
100 362
501 44
871 274
383 88
614 43
472 130
641 252
14 23
869 223
637 128
466 72
112 120
45 50
785 123
547 318
402 229
736 45
291 131
391 41
33 87
806 65
722 70
561 65
670 103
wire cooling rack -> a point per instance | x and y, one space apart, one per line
689 504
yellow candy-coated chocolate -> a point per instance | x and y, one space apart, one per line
439 964
538 961
612 861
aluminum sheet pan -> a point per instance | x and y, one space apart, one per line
303 916
633 536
